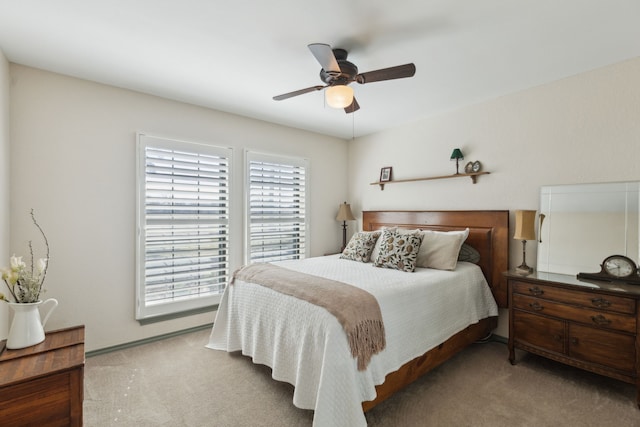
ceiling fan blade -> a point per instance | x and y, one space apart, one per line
397 72
353 107
324 55
297 92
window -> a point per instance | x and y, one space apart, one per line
276 208
183 226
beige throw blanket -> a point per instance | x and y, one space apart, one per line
357 310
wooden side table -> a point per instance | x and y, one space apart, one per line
43 385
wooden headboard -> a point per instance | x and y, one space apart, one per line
488 234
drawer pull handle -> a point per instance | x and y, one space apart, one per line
600 320
535 306
536 291
600 302
557 337
574 341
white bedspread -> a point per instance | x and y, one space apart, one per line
306 346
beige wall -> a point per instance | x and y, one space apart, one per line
4 184
73 161
73 148
580 129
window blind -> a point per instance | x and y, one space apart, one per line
184 226
277 208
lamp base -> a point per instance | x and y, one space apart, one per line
344 236
524 269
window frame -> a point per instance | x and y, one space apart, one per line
144 311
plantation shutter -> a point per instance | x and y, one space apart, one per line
183 250
277 208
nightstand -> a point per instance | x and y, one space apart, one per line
592 325
43 385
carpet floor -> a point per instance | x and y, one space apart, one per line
179 382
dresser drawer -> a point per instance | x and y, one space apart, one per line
605 348
599 318
538 331
42 402
585 299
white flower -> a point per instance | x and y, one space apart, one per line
10 276
16 263
25 284
41 265
14 277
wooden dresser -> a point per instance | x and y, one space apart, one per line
43 385
590 325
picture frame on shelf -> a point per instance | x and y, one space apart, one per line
385 174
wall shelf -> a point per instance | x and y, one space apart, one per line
473 176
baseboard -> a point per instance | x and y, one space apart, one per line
147 340
499 339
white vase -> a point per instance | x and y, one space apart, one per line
4 320
26 328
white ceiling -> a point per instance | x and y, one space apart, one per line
236 55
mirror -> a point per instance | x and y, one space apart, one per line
585 223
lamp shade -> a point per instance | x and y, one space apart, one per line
525 225
339 96
344 213
457 154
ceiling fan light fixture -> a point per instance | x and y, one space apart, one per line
339 96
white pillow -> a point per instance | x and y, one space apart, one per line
440 249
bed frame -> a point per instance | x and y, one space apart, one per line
488 234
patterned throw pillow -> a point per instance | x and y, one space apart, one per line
469 254
376 248
360 246
399 250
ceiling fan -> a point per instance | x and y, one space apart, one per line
337 73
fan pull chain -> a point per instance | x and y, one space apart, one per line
353 125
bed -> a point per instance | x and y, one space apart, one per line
306 346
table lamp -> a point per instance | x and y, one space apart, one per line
457 156
344 215
525 230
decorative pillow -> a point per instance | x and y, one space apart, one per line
440 249
376 248
469 254
360 246
399 250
